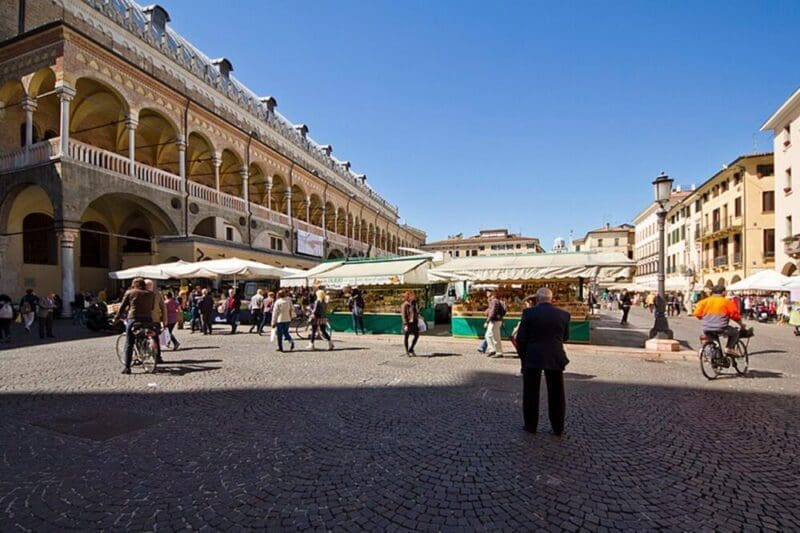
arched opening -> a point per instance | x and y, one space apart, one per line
97 116
257 184
789 269
364 230
330 217
200 160
736 279
298 202
230 174
94 245
12 94
279 193
138 241
721 281
156 142
46 116
335 254
315 210
370 234
206 228
217 228
39 246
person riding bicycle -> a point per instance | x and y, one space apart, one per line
716 312
136 307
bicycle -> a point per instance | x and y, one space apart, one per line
145 347
79 317
301 323
713 359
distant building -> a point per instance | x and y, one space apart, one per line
608 239
646 244
785 126
487 242
559 245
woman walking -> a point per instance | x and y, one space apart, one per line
266 315
410 316
319 321
281 318
232 305
173 310
6 316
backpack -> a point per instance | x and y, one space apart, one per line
25 307
6 311
501 311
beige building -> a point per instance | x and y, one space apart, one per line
733 214
122 144
683 252
785 127
487 242
609 238
646 242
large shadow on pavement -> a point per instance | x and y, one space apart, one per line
385 456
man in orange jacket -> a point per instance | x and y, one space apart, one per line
716 312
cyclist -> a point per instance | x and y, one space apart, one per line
137 306
716 312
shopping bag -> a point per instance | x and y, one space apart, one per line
272 335
164 338
421 325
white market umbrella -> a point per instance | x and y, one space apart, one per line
232 267
764 280
160 271
792 283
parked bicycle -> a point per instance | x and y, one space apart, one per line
145 348
301 323
713 359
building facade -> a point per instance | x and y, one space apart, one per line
487 242
121 144
646 241
733 214
609 238
785 127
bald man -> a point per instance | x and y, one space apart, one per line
543 330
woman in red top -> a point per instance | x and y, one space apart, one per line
173 310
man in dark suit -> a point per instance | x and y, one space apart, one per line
540 344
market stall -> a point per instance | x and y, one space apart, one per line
382 283
514 277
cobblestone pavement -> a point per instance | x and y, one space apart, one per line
230 434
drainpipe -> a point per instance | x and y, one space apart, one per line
185 169
289 209
246 185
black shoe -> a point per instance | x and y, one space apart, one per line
176 346
481 351
411 353
126 370
529 430
291 347
159 361
491 354
555 433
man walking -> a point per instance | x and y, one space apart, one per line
625 305
494 321
44 315
256 311
543 329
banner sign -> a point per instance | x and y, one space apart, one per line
310 244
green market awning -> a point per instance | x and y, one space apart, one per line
362 273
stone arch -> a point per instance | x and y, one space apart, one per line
200 159
279 195
40 82
363 230
94 245
315 210
230 173
156 142
257 184
789 269
97 115
341 222
23 198
721 281
12 94
330 216
298 202
335 253
736 279
218 228
46 116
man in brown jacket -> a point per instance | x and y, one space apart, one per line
136 306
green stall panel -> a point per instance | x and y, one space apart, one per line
474 327
375 322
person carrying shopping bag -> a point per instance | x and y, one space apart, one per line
282 313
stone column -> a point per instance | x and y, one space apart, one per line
130 124
246 187
289 204
65 94
217 162
269 194
324 220
308 209
181 143
336 221
66 237
29 106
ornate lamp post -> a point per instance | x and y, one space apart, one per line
663 190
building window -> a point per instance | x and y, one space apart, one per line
474 253
457 253
276 243
38 240
577 247
768 201
600 243
228 234
616 242
769 243
724 185
765 170
94 245
789 231
787 185
737 207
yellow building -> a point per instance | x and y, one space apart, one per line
487 242
734 214
122 144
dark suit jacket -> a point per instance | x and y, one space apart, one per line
543 329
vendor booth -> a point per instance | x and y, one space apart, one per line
515 277
382 284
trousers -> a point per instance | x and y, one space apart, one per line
556 402
493 342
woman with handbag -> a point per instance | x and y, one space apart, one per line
410 315
319 321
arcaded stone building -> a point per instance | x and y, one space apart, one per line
122 144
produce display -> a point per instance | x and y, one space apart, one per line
564 297
377 299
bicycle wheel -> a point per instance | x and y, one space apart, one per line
148 356
120 346
302 330
709 354
742 361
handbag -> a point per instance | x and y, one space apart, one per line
163 338
6 311
221 308
273 335
421 325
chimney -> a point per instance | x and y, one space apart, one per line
345 165
362 178
270 102
224 66
327 148
157 16
608 225
302 129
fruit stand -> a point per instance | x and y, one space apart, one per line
515 277
382 283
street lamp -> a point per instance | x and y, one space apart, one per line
662 187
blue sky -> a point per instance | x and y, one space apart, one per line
543 117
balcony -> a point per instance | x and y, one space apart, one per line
737 258
121 167
791 246
721 227
721 261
